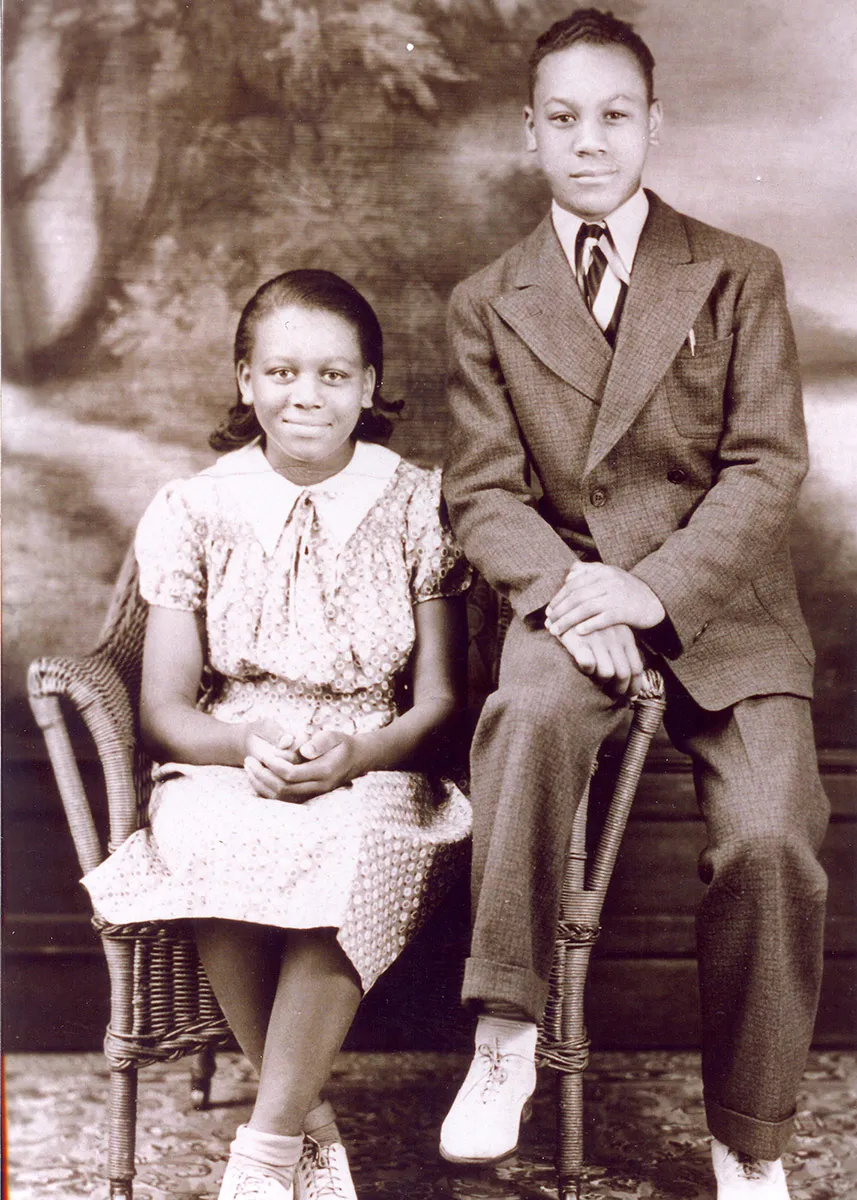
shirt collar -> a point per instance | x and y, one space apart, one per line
268 498
625 224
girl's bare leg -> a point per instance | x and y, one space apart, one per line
295 990
242 962
317 996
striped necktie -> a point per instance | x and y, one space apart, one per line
594 256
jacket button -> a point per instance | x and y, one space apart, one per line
677 475
598 498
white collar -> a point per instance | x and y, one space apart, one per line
267 498
625 224
369 459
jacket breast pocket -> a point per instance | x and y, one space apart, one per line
695 385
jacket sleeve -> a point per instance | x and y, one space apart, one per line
487 477
762 459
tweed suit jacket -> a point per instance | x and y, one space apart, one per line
680 455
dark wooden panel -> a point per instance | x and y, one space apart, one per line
643 978
655 884
666 789
668 935
655 881
60 1004
634 1003
55 1002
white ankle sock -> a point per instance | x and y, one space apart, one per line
277 1153
513 1037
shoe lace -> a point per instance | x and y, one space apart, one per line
495 1063
328 1176
751 1168
251 1184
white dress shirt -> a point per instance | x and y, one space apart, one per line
625 225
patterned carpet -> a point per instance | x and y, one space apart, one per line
645 1130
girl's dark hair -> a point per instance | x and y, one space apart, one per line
329 293
596 28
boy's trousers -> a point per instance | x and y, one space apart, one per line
760 924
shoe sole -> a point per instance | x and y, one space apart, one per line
478 1162
526 1115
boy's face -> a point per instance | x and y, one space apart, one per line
590 124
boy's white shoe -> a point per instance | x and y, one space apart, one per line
482 1125
243 1182
742 1178
323 1172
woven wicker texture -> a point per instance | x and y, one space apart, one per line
162 1006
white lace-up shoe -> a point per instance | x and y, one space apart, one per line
482 1125
323 1173
742 1178
243 1182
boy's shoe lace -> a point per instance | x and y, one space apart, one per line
482 1125
496 1074
740 1176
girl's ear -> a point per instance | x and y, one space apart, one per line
368 387
242 374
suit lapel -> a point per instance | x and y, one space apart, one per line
547 311
666 293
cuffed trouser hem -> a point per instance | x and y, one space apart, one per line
748 1135
502 983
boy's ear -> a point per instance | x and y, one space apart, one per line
656 116
530 130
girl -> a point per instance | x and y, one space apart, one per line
297 588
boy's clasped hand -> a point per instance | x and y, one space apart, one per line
594 615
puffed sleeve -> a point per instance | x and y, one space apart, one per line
437 565
170 550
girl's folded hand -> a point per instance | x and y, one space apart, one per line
268 731
327 760
268 750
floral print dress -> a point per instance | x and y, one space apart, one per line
307 596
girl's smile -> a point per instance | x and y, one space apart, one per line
308 383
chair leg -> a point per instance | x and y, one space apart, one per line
570 1135
577 932
572 1053
122 1110
580 913
202 1068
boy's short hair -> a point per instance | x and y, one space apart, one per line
597 28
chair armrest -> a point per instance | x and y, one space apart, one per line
95 689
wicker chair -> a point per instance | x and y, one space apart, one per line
161 1005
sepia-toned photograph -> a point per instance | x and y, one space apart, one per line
429 560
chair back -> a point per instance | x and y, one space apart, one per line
120 644
124 628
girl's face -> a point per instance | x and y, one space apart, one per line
307 381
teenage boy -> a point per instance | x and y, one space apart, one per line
626 448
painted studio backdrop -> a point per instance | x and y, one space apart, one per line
163 158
